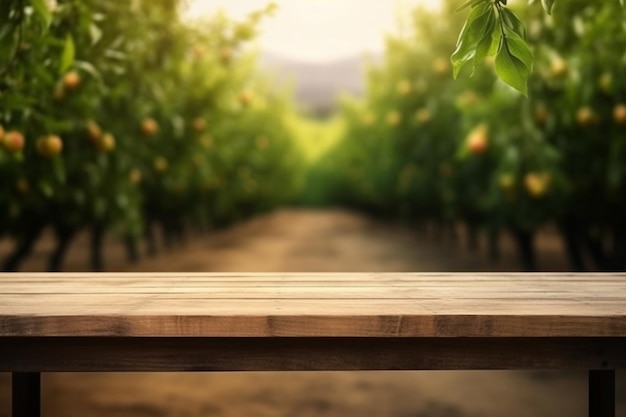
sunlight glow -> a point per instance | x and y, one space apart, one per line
318 30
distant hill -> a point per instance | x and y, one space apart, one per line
317 86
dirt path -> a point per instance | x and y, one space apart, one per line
314 241
292 241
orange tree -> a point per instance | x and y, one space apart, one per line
417 145
407 125
492 29
516 183
560 159
474 151
117 115
403 153
579 106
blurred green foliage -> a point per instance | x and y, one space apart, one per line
429 149
494 30
129 117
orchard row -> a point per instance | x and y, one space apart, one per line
118 116
436 150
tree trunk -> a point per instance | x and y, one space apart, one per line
596 250
132 251
526 248
169 235
22 249
180 232
618 252
453 233
150 239
571 239
97 238
493 245
473 245
64 236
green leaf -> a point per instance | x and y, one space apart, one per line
68 55
59 169
549 4
476 28
43 11
513 22
470 3
19 156
6 29
88 68
17 101
96 33
489 44
46 188
520 49
42 73
513 70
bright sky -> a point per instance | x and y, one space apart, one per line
318 30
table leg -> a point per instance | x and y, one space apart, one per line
26 394
602 393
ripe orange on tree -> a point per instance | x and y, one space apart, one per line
12 141
49 146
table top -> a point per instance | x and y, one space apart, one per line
313 305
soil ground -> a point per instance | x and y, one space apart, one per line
313 241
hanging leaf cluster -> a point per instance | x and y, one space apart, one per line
494 30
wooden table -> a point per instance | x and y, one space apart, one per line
279 322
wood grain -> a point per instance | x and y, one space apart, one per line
112 354
313 305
